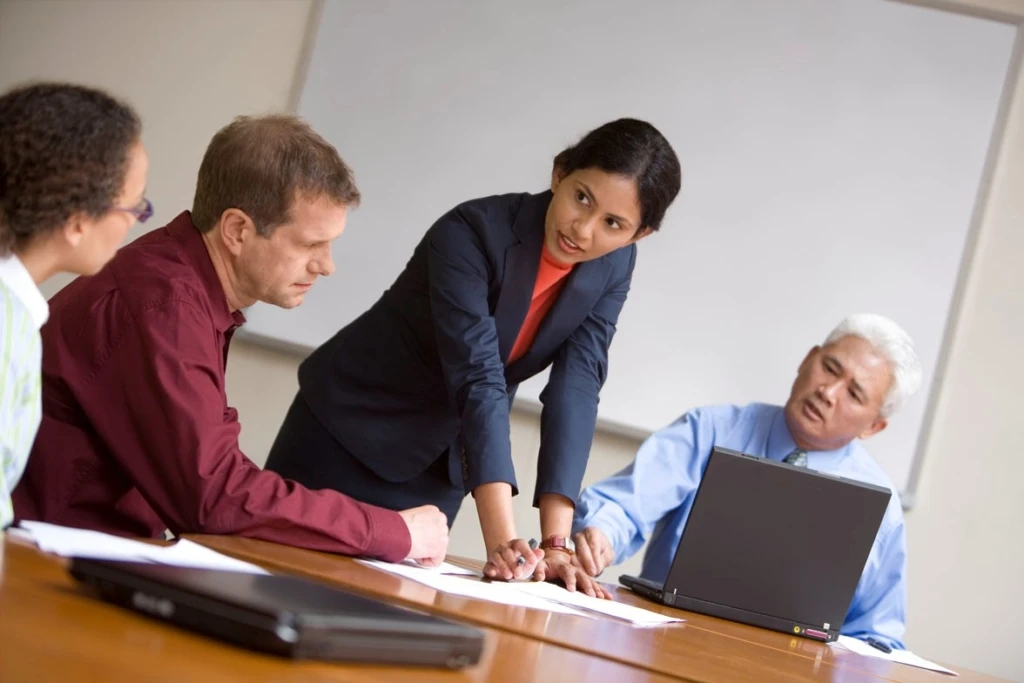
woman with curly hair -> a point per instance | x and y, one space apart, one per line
72 177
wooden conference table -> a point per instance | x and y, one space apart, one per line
52 630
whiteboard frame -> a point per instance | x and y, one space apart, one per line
1003 11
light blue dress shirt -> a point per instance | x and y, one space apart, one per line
651 499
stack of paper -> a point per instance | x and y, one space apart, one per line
900 656
69 542
544 596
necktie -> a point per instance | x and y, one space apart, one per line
797 458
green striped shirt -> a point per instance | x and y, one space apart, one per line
23 310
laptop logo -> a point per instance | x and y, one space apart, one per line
160 607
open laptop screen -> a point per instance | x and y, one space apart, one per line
776 540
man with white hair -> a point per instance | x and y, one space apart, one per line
845 390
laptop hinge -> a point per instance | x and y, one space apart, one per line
670 598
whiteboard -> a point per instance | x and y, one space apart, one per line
832 154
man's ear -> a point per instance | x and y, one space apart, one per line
235 229
807 359
878 425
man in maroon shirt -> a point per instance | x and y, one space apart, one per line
137 436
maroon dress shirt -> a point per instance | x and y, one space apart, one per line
137 435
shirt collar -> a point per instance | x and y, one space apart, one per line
17 278
781 444
184 230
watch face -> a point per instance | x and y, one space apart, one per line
569 545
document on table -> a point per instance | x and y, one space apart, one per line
69 542
611 608
545 596
410 569
899 656
462 582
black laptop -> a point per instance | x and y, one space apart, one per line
772 545
283 615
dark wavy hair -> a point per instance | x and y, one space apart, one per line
634 149
64 149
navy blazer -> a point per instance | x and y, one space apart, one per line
425 371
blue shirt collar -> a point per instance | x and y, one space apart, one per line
780 443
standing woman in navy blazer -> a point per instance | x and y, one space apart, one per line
409 404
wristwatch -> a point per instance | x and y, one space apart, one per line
559 543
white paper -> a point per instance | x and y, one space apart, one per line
492 591
403 568
69 542
500 592
534 594
84 543
899 656
619 610
185 553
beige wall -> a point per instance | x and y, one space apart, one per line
966 533
190 65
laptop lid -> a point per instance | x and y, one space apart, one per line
286 615
771 539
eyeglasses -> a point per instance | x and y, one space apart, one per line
142 211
